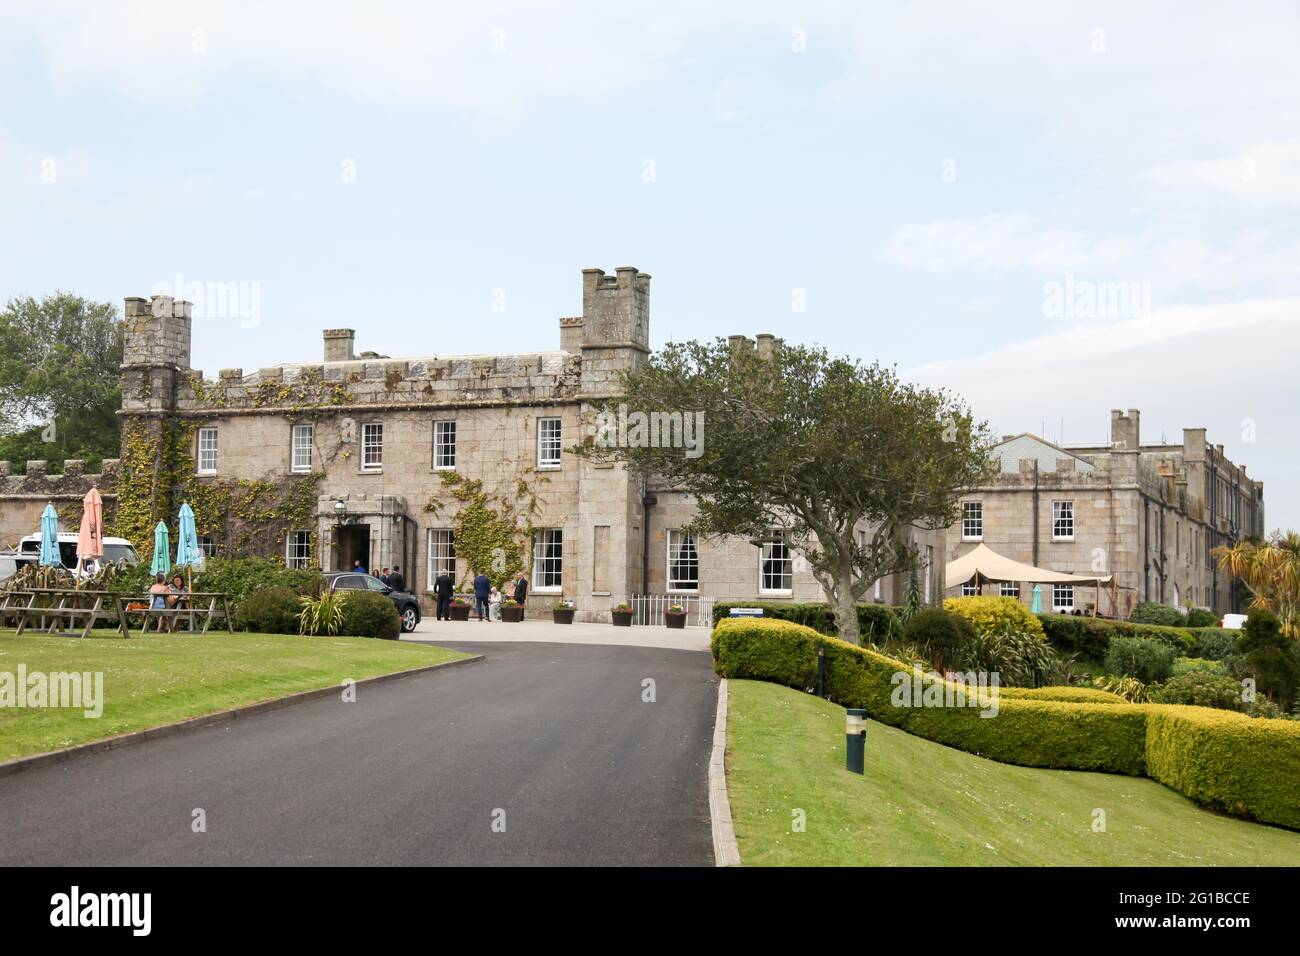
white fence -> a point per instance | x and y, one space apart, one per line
649 608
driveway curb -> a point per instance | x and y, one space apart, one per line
34 761
725 851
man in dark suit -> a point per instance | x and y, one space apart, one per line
521 590
442 587
482 591
395 579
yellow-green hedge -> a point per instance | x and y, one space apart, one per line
1242 765
985 612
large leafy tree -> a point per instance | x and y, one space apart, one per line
797 440
1271 571
60 384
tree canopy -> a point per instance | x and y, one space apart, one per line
794 439
60 384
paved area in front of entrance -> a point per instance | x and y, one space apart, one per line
687 639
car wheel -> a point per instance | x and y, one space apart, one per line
410 618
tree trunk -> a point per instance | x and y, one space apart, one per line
846 608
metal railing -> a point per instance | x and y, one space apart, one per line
649 609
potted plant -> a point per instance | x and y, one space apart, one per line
675 616
622 614
512 611
563 612
460 608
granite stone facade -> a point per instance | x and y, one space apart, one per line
1149 514
369 426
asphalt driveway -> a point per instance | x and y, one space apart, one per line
541 754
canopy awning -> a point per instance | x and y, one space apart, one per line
985 564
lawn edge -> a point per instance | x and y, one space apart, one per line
49 757
725 850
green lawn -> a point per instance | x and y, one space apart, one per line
923 804
161 678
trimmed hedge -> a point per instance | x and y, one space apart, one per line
1201 617
877 621
1031 730
1090 637
1147 660
270 611
370 614
1246 766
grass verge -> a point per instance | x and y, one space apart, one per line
924 804
162 678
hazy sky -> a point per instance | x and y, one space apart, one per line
1055 209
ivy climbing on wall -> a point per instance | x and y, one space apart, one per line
491 531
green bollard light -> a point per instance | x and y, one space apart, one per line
855 733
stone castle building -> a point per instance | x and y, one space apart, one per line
357 458
1149 514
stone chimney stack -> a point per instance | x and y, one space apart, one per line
339 344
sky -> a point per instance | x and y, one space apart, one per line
1051 209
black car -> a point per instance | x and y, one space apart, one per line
408 606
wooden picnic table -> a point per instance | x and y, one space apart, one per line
189 605
57 605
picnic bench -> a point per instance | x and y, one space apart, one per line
59 605
191 606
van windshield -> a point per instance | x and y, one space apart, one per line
68 552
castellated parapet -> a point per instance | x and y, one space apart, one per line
24 497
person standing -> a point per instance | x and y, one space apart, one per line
358 567
482 591
442 588
521 589
395 579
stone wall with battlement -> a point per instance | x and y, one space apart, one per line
23 497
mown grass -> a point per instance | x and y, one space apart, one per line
923 804
161 678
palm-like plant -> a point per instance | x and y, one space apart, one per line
1272 573
322 615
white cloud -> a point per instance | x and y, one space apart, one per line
1231 363
1264 173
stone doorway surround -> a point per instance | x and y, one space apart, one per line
384 515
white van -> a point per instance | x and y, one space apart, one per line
1233 622
115 550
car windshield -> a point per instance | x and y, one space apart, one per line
376 585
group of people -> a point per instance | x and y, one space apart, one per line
168 597
487 599
390 576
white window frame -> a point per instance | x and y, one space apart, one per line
1062 598
444 451
972 521
366 445
201 452
297 548
208 545
440 554
968 589
682 541
546 442
768 548
296 463
1009 589
1063 516
548 560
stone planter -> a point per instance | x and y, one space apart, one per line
675 619
460 612
621 618
512 615
562 615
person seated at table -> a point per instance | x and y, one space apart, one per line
158 592
176 599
